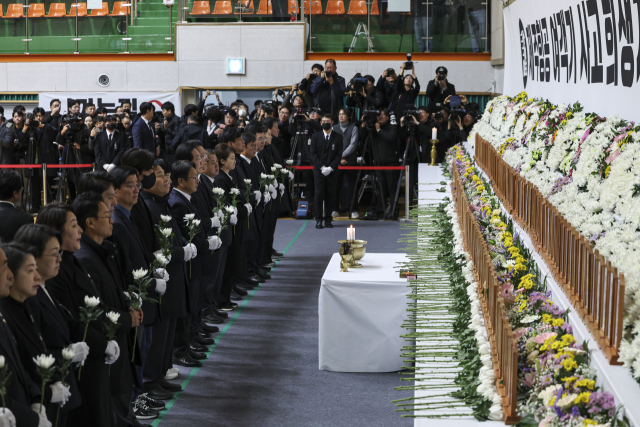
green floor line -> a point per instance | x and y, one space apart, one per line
194 371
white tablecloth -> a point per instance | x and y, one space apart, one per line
361 315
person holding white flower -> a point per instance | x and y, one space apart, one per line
99 258
70 288
46 312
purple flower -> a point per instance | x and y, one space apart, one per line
575 411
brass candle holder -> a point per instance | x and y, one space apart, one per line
351 252
434 152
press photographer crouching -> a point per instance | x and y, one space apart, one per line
460 123
384 135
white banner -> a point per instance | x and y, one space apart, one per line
575 50
94 4
110 100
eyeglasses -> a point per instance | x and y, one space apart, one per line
193 177
103 217
58 255
132 187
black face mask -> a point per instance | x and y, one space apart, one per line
111 126
326 126
148 181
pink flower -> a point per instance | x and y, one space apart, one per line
520 332
620 137
546 421
529 377
540 339
614 155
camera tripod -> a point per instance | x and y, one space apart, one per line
406 157
32 157
378 190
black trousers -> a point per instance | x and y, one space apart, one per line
183 333
325 187
213 287
268 243
160 353
251 248
122 411
196 316
263 257
389 180
345 199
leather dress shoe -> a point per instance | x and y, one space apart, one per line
195 346
328 224
203 334
276 253
319 225
240 291
249 287
250 281
226 307
269 266
197 355
160 393
203 341
174 388
212 318
235 297
220 313
187 361
209 328
263 276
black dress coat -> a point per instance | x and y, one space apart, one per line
30 345
133 255
236 263
284 203
12 219
69 288
22 391
109 152
239 175
227 234
101 262
174 301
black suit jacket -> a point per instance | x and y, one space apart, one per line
236 262
206 186
12 219
108 152
101 263
248 172
174 301
133 255
22 391
144 136
326 153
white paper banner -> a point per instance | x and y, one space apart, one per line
575 50
111 100
94 4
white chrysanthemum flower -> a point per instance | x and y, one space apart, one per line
234 191
165 218
277 165
189 217
44 361
196 222
218 191
229 209
1 362
289 162
263 176
247 181
166 232
68 354
140 273
91 301
163 259
113 316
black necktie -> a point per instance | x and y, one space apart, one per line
110 137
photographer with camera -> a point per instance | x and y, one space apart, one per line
328 89
349 132
302 128
73 141
13 138
363 93
39 150
439 88
385 141
460 124
387 84
407 89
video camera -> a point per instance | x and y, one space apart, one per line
33 123
409 64
457 113
409 114
267 107
75 122
300 115
370 117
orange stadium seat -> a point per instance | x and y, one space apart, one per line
265 8
359 7
315 7
201 8
36 10
119 8
82 9
57 10
222 7
15 10
335 7
101 12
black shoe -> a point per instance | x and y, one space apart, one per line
220 313
240 291
209 328
174 388
319 225
251 281
187 361
160 393
234 305
269 265
227 307
195 346
248 287
202 340
328 224
143 412
156 405
212 318
196 355
235 297
263 276
276 253
203 334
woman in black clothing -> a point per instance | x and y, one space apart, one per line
69 288
406 92
48 316
19 317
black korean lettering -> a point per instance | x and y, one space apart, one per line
626 66
611 40
555 21
625 21
573 65
585 44
546 51
597 73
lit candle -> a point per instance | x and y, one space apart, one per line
434 133
353 233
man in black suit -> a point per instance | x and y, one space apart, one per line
23 395
143 134
109 145
10 193
192 131
326 153
134 255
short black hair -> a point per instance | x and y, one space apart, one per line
248 137
110 118
223 151
121 173
10 181
37 235
38 110
318 66
16 255
145 107
370 78
18 112
54 215
101 110
231 113
169 107
166 166
289 109
90 104
19 107
327 116
254 128
72 102
87 205
97 181
126 101
183 151
55 100
180 170
258 102
138 158
189 109
193 119
268 122
346 111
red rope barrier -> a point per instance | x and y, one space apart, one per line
356 168
52 166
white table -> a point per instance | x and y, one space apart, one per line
361 315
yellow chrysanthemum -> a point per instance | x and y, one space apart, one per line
582 398
569 364
586 383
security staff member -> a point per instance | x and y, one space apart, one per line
326 153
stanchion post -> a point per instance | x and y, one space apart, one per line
44 183
407 191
